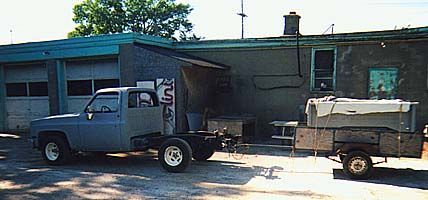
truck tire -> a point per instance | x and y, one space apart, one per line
358 165
203 154
55 150
175 155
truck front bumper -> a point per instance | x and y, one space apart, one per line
34 142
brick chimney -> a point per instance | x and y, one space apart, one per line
291 23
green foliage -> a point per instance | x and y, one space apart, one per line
163 18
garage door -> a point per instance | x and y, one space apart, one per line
26 95
86 77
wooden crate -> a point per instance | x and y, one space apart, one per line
306 137
237 126
410 145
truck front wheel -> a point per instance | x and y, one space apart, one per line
175 155
55 150
358 165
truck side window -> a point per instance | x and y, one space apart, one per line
142 99
104 102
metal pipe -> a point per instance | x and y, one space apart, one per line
298 53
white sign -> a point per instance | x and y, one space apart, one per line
166 92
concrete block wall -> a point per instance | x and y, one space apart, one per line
352 66
265 104
409 57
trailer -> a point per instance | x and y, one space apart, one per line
356 130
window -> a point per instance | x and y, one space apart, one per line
104 102
35 89
79 88
38 89
323 69
142 99
105 83
16 89
89 87
383 83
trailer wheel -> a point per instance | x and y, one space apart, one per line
55 150
358 165
175 155
203 154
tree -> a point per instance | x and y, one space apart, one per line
163 18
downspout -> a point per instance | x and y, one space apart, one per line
298 54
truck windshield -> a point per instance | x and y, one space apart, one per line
104 102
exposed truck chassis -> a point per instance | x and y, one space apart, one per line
175 151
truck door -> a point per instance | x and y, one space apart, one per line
144 114
99 123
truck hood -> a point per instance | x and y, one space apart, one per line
56 119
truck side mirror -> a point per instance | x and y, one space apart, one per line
89 116
89 109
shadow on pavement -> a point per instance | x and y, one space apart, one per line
24 175
390 176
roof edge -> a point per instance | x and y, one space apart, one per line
411 33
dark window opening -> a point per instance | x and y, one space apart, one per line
105 83
38 89
16 89
323 71
79 88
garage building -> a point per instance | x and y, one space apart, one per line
46 78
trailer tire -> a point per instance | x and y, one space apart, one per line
55 150
358 165
203 154
175 155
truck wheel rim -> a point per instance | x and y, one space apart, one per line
52 151
173 156
358 165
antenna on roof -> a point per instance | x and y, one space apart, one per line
330 27
243 15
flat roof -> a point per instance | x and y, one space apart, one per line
76 47
290 40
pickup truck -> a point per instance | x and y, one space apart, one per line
122 119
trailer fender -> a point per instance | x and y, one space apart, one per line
370 149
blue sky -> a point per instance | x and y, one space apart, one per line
217 19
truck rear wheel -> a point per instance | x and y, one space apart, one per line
175 155
203 154
358 165
55 150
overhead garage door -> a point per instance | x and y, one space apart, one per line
26 95
84 78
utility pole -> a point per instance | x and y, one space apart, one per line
243 15
11 38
